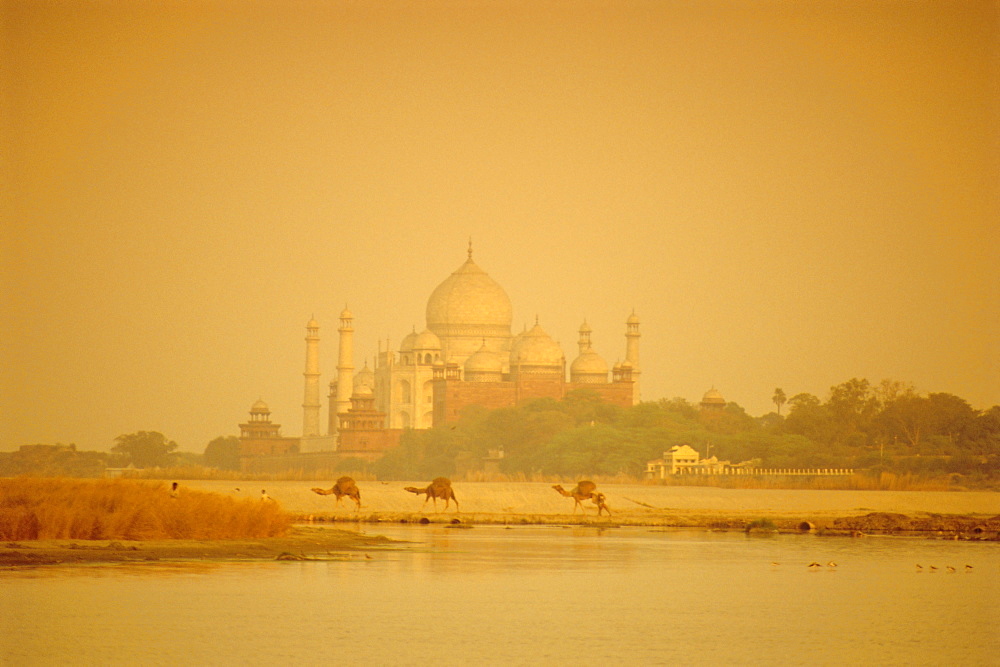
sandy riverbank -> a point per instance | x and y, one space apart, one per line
496 501
303 542
326 542
936 515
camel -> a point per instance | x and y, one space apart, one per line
582 491
439 488
345 486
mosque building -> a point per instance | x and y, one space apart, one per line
467 355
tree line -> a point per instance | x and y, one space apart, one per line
885 427
882 427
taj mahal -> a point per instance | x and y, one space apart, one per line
467 355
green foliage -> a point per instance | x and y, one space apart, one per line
145 449
779 398
887 428
858 426
52 461
223 453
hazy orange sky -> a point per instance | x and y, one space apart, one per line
789 194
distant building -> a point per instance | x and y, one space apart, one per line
713 401
362 428
674 461
262 437
465 356
684 460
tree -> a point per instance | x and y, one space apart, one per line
853 406
808 417
223 453
146 449
779 399
951 417
906 417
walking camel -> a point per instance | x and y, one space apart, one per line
345 486
585 490
439 488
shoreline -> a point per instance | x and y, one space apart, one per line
320 537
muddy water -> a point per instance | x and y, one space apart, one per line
526 595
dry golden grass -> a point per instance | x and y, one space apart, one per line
60 508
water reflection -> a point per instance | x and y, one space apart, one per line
526 595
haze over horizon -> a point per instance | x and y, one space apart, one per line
787 194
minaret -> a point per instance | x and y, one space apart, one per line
345 364
311 404
584 342
331 401
632 352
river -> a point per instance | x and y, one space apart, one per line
526 595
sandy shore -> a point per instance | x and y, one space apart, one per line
513 499
326 542
937 515
304 542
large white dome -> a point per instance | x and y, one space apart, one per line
468 299
467 309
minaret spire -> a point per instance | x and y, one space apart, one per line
584 342
632 352
345 365
310 404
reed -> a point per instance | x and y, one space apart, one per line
61 508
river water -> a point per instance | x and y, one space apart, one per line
526 595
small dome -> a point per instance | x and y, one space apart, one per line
589 363
345 314
363 390
259 407
632 319
536 348
517 337
312 323
712 396
364 379
585 328
426 340
408 341
483 361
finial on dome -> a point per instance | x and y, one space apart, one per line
470 247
